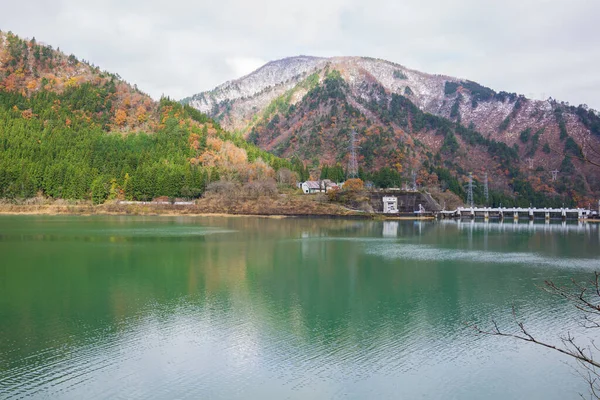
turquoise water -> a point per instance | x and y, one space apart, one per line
251 308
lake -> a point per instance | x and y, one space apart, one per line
109 307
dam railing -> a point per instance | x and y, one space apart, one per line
519 212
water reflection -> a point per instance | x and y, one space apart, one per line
390 229
297 308
527 226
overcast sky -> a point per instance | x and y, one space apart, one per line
539 48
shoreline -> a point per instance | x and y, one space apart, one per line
328 212
315 210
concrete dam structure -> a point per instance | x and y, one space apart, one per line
519 212
409 202
403 202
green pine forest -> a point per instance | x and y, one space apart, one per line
61 156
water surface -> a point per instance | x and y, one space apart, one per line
252 308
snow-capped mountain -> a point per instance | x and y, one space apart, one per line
294 106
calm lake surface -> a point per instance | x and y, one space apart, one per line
251 308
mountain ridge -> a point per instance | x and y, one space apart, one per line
72 131
262 107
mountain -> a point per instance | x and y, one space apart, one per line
408 121
70 130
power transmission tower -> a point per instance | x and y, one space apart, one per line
470 190
352 159
486 192
554 175
530 162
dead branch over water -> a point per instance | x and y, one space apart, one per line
585 297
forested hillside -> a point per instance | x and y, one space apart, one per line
409 122
395 142
69 130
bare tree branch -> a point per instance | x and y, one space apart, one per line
585 298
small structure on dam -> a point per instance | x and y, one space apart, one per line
390 204
411 202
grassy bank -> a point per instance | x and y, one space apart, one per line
263 206
282 205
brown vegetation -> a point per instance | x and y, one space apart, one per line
445 198
214 203
352 195
285 177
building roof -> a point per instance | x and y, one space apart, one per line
322 184
312 185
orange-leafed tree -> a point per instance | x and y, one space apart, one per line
194 141
214 143
233 157
120 117
354 185
27 114
259 170
32 84
140 114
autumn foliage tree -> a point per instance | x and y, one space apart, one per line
120 117
351 195
354 185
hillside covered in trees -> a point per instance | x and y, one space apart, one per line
408 122
70 130
397 139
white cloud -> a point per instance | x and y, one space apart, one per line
241 66
182 47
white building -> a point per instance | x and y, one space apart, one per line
321 186
390 205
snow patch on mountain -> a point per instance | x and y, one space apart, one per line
284 73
